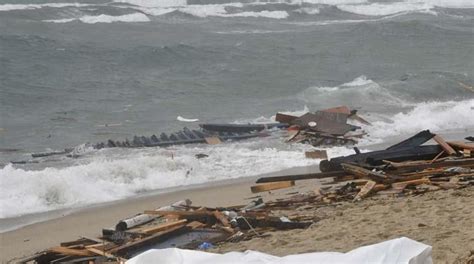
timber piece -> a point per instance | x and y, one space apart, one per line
446 147
221 218
339 109
412 182
302 176
153 239
213 140
413 141
365 190
376 158
467 153
271 186
365 173
162 227
179 213
100 252
195 224
71 252
461 145
196 215
316 154
447 163
284 118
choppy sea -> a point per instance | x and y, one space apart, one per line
83 71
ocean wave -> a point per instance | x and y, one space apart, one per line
11 7
135 17
385 9
360 92
110 176
436 116
409 6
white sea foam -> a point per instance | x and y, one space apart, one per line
358 92
135 17
436 116
154 3
108 176
10 7
385 9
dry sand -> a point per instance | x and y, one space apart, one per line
443 219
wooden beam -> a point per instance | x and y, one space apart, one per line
271 186
179 213
100 252
365 173
412 182
316 154
71 252
461 145
222 218
297 177
446 147
163 227
213 140
365 190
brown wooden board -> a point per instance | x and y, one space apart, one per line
446 147
316 154
162 227
271 186
213 140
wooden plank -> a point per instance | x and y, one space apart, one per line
222 218
71 252
461 145
339 109
297 177
283 118
467 153
100 252
446 147
412 182
435 165
213 140
163 227
365 173
271 186
179 213
155 238
365 190
196 224
316 154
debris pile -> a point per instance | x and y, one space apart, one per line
178 225
407 168
327 127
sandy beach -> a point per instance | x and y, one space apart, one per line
442 219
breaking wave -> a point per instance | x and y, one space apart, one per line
436 116
11 7
135 17
110 176
361 93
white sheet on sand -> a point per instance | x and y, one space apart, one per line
395 251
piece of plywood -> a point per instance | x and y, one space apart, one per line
271 186
316 154
213 140
446 147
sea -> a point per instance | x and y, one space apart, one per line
78 72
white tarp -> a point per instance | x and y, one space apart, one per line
396 251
